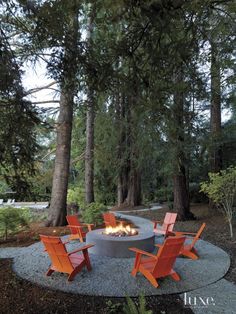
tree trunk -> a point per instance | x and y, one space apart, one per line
89 152
215 121
134 189
134 197
181 195
57 210
129 176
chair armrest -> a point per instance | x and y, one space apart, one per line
88 226
85 224
142 252
79 227
158 245
81 249
180 233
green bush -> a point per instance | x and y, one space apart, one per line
12 219
92 213
164 194
76 196
221 189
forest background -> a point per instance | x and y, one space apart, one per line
140 101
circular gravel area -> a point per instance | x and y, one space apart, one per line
111 276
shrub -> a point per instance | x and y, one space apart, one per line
11 220
165 194
221 189
76 196
92 213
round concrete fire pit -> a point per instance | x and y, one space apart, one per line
107 245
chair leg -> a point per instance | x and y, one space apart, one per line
194 251
150 278
49 272
87 260
136 264
72 275
175 276
190 254
81 238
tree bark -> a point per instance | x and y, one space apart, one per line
181 195
134 189
215 120
89 152
123 173
57 210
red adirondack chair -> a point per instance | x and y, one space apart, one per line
159 265
78 230
62 261
167 225
189 249
109 220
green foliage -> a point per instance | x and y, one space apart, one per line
92 213
29 215
132 308
165 194
112 307
76 196
221 189
12 219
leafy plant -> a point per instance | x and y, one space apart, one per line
132 308
221 189
76 196
11 220
92 213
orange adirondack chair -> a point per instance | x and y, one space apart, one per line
159 265
109 220
78 230
189 249
167 225
62 261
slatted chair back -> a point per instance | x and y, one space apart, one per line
167 255
57 253
109 219
73 221
170 218
198 234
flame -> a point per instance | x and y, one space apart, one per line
120 229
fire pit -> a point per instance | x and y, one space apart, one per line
115 242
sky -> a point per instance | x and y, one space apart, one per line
35 76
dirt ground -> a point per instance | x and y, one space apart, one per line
20 296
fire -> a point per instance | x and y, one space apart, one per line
120 231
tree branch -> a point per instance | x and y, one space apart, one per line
38 89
